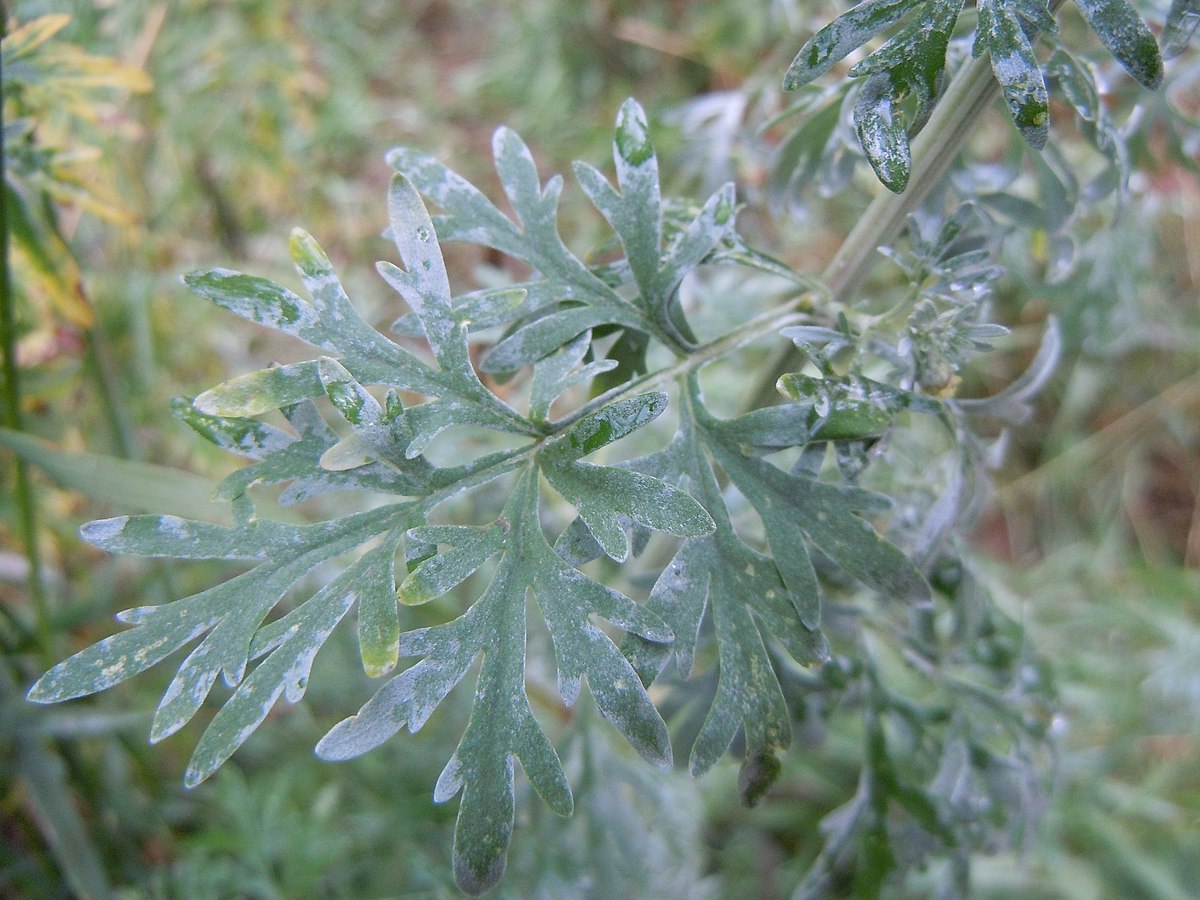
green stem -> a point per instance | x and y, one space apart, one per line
24 495
760 326
933 151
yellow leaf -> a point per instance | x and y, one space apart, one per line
32 35
61 284
44 265
84 70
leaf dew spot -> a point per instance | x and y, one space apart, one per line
723 211
633 143
101 530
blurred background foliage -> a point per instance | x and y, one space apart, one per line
143 139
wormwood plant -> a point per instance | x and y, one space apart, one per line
782 586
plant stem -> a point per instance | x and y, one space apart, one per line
934 149
970 93
760 326
26 502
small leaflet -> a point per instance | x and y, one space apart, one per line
1001 31
1127 38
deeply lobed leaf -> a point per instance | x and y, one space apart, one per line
502 726
746 599
912 62
762 596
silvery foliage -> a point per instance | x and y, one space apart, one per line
763 604
900 82
780 578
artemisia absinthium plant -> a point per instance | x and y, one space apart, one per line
775 594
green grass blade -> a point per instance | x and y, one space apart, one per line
132 486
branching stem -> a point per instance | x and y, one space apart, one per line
764 324
970 93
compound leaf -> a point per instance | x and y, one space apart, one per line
557 372
826 515
378 620
245 437
425 286
304 461
231 612
472 547
636 215
746 594
835 41
760 596
329 323
541 337
470 216
483 309
849 407
571 298
603 495
601 428
262 391
911 62
882 133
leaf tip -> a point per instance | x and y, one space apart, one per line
210 403
701 525
632 141
726 204
759 771
376 664
306 253
502 136
476 876
1036 136
796 76
43 691
161 730
450 782
334 747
